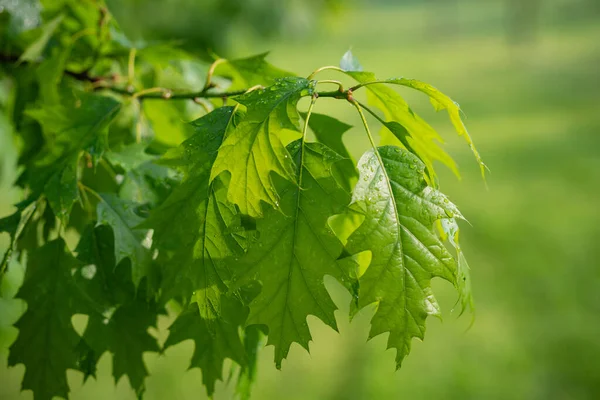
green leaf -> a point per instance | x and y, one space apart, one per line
46 342
130 241
194 231
295 250
253 150
49 75
423 139
130 157
253 342
442 102
330 131
400 210
214 340
251 71
35 49
70 127
122 315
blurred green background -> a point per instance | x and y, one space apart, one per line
527 75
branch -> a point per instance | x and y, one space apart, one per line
160 93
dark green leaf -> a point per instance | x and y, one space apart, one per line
330 131
122 315
214 339
70 127
130 241
193 226
46 342
296 249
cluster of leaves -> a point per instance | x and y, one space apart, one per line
234 219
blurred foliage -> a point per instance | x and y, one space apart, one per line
209 24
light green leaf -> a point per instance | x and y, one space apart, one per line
130 241
214 340
350 63
442 102
130 157
35 49
47 341
251 71
424 140
194 226
400 211
296 249
253 150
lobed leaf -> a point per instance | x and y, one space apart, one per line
70 127
253 150
400 210
47 341
130 241
193 226
121 314
295 250
214 340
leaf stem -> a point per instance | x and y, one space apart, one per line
328 67
366 125
131 66
90 191
340 86
211 70
377 81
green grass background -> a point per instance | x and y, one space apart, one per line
533 109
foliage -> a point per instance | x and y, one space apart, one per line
235 218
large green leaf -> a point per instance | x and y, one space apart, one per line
253 150
121 315
70 127
193 226
214 340
47 341
131 241
400 210
295 250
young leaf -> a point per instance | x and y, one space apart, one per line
46 342
296 249
329 131
400 210
192 225
423 139
130 241
214 340
442 102
121 316
70 127
253 150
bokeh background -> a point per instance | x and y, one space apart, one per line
527 75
